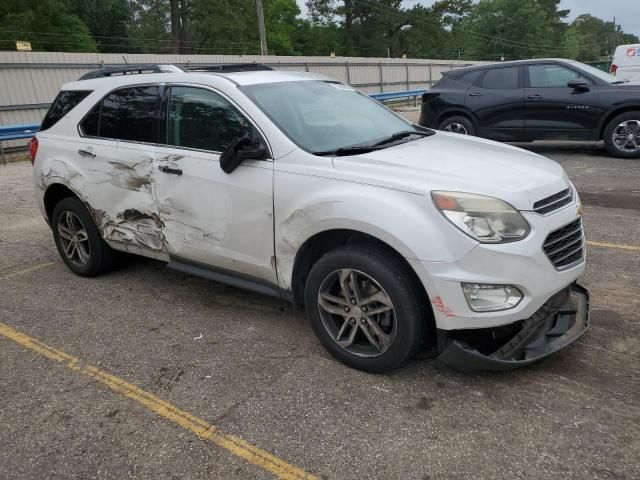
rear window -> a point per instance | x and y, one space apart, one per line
63 104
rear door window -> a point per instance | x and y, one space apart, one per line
501 78
63 104
126 114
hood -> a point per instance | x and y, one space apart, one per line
448 161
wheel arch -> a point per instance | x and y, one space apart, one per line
323 242
612 114
457 112
54 194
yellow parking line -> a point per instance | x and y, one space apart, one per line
204 430
613 245
27 270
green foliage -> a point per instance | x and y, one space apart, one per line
511 28
448 29
591 38
149 26
107 20
47 24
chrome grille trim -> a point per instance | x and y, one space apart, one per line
565 247
553 202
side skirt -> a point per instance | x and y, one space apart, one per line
229 277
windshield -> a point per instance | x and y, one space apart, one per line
321 116
594 71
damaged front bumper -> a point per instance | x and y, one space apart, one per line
558 323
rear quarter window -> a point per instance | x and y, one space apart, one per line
63 104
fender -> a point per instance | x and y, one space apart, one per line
404 221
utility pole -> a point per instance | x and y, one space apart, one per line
613 50
263 35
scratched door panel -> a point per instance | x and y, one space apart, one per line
214 218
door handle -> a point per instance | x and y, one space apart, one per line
172 171
475 94
535 96
87 152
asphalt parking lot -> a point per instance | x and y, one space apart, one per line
214 382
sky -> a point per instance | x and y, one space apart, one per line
627 12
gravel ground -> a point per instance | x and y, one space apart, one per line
251 366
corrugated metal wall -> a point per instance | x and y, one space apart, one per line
30 80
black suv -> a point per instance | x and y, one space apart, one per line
529 100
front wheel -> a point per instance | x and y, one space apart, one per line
458 124
622 135
364 307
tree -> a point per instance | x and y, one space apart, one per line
108 22
149 26
513 28
47 24
592 38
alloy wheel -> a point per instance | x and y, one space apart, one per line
73 238
357 312
626 136
456 128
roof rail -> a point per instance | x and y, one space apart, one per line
130 70
229 67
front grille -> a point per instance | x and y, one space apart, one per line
565 246
554 202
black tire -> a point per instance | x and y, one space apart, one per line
100 255
449 124
610 131
398 284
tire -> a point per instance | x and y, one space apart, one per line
458 124
90 256
375 272
615 132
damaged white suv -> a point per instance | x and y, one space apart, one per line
392 237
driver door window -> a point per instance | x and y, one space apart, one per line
201 119
549 76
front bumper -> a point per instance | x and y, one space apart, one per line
559 322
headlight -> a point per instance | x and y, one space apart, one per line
486 219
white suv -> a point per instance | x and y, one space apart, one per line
392 237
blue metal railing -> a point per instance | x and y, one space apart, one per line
17 132
381 97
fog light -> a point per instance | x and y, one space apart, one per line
483 297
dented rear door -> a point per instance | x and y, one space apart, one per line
207 216
115 159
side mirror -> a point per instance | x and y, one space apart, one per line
579 85
241 149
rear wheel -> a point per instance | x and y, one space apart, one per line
364 307
78 239
458 124
622 135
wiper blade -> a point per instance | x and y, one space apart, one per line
619 82
404 134
341 152
356 149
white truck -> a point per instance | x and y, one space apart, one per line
626 63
